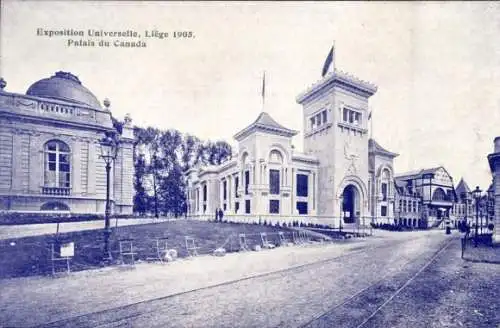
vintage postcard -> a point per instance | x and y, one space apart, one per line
249 164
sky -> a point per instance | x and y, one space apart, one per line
436 65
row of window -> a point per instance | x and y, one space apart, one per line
318 119
408 206
460 209
274 185
351 116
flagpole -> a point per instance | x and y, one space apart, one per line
263 90
333 56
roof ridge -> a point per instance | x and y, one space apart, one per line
266 122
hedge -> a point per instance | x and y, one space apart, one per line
12 218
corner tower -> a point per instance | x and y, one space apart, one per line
335 125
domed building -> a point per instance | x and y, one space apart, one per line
50 152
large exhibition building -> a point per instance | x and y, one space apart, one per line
50 150
342 177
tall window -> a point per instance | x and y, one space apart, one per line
197 199
274 182
247 206
247 181
204 193
274 206
57 164
302 185
383 210
384 191
236 185
302 207
224 187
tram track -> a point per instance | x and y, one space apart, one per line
339 316
122 314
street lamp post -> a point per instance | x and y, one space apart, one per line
109 150
491 206
477 197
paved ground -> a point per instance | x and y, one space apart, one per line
404 279
25 230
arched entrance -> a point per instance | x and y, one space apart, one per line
350 204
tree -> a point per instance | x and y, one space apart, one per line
161 158
140 197
219 152
148 144
173 192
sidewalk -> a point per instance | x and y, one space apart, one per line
482 254
26 230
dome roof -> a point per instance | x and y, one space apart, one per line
64 86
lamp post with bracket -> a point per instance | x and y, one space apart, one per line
109 150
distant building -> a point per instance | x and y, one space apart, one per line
50 152
494 161
463 208
424 198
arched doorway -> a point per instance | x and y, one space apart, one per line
350 204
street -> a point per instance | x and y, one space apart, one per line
395 280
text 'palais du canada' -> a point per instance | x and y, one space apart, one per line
126 38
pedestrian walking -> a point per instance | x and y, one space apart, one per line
221 214
464 234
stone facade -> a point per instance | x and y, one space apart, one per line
261 179
50 151
330 182
382 191
340 143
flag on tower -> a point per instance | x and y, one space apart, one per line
264 85
328 61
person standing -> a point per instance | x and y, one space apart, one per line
221 214
464 234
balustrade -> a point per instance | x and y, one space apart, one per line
56 191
